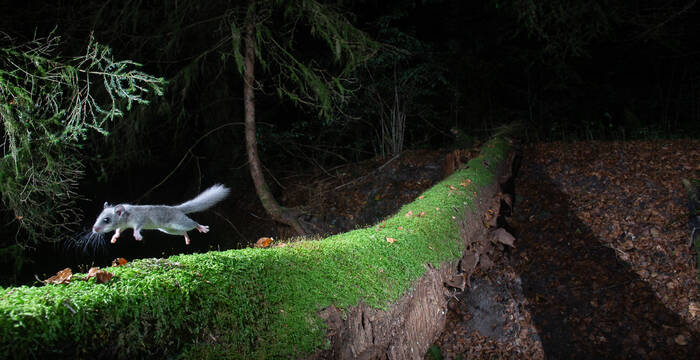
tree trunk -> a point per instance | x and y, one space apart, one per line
278 213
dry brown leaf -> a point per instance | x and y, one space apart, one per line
100 276
627 245
263 242
680 339
62 277
92 272
390 240
119 262
694 309
409 213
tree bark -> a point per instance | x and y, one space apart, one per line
278 213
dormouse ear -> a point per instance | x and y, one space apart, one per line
106 205
119 210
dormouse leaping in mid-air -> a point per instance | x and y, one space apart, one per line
168 219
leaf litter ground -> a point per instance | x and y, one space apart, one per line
602 267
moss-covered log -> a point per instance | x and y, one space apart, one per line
252 303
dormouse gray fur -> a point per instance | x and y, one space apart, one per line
168 219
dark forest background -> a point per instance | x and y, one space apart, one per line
561 69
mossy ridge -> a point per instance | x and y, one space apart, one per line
248 303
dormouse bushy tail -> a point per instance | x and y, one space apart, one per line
205 200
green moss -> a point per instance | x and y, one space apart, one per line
249 303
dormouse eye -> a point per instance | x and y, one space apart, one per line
106 220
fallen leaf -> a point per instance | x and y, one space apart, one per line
422 213
409 213
100 276
680 340
263 242
694 309
104 276
92 272
627 245
655 232
62 277
420 197
119 262
390 240
623 255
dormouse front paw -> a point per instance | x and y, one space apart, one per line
117 232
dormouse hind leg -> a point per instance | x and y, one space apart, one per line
117 232
137 235
200 228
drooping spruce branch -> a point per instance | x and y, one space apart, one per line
48 105
304 80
